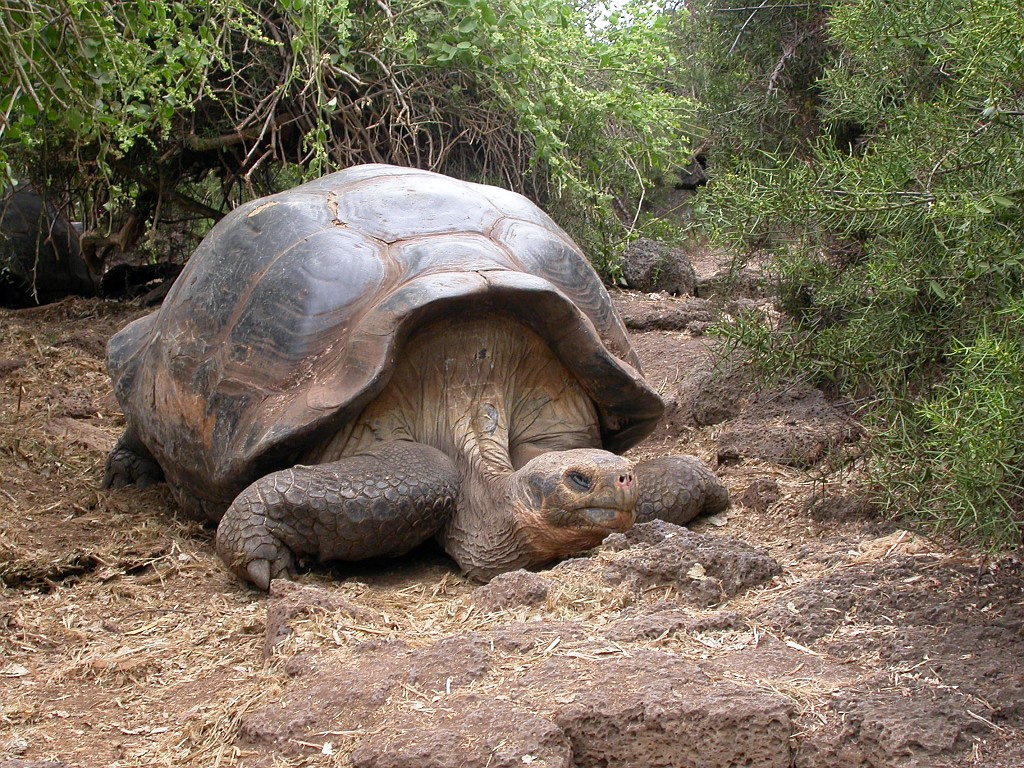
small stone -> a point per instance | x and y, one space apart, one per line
760 494
508 590
652 266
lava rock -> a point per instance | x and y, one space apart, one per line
704 569
651 266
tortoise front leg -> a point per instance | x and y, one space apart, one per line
677 489
384 501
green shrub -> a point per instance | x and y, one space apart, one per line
901 247
153 106
958 453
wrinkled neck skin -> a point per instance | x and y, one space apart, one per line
488 532
486 535
491 396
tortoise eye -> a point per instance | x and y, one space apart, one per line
578 480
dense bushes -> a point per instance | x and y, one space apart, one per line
897 221
159 106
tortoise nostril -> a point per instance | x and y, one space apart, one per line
626 480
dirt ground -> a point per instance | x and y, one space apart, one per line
794 630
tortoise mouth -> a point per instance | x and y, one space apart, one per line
612 519
577 530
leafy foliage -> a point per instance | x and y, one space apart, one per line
902 248
137 106
753 69
965 466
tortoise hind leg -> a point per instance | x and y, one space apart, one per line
382 502
677 489
130 463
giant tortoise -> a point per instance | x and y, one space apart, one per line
384 355
40 255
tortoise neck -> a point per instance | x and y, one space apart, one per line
485 535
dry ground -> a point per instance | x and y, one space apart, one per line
124 643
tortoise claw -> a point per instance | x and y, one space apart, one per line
258 572
259 563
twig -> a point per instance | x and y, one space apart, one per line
750 18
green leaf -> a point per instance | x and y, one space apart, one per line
487 14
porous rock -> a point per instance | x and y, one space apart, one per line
693 175
760 494
345 694
889 729
664 314
652 266
511 589
469 732
735 280
720 621
452 661
714 396
813 610
704 569
528 636
648 622
654 709
794 426
836 507
10 365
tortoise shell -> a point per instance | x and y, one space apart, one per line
288 318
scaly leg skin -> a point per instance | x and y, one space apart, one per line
677 489
384 501
129 463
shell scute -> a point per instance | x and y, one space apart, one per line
396 207
439 254
295 311
550 253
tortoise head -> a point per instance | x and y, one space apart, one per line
568 501
557 504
